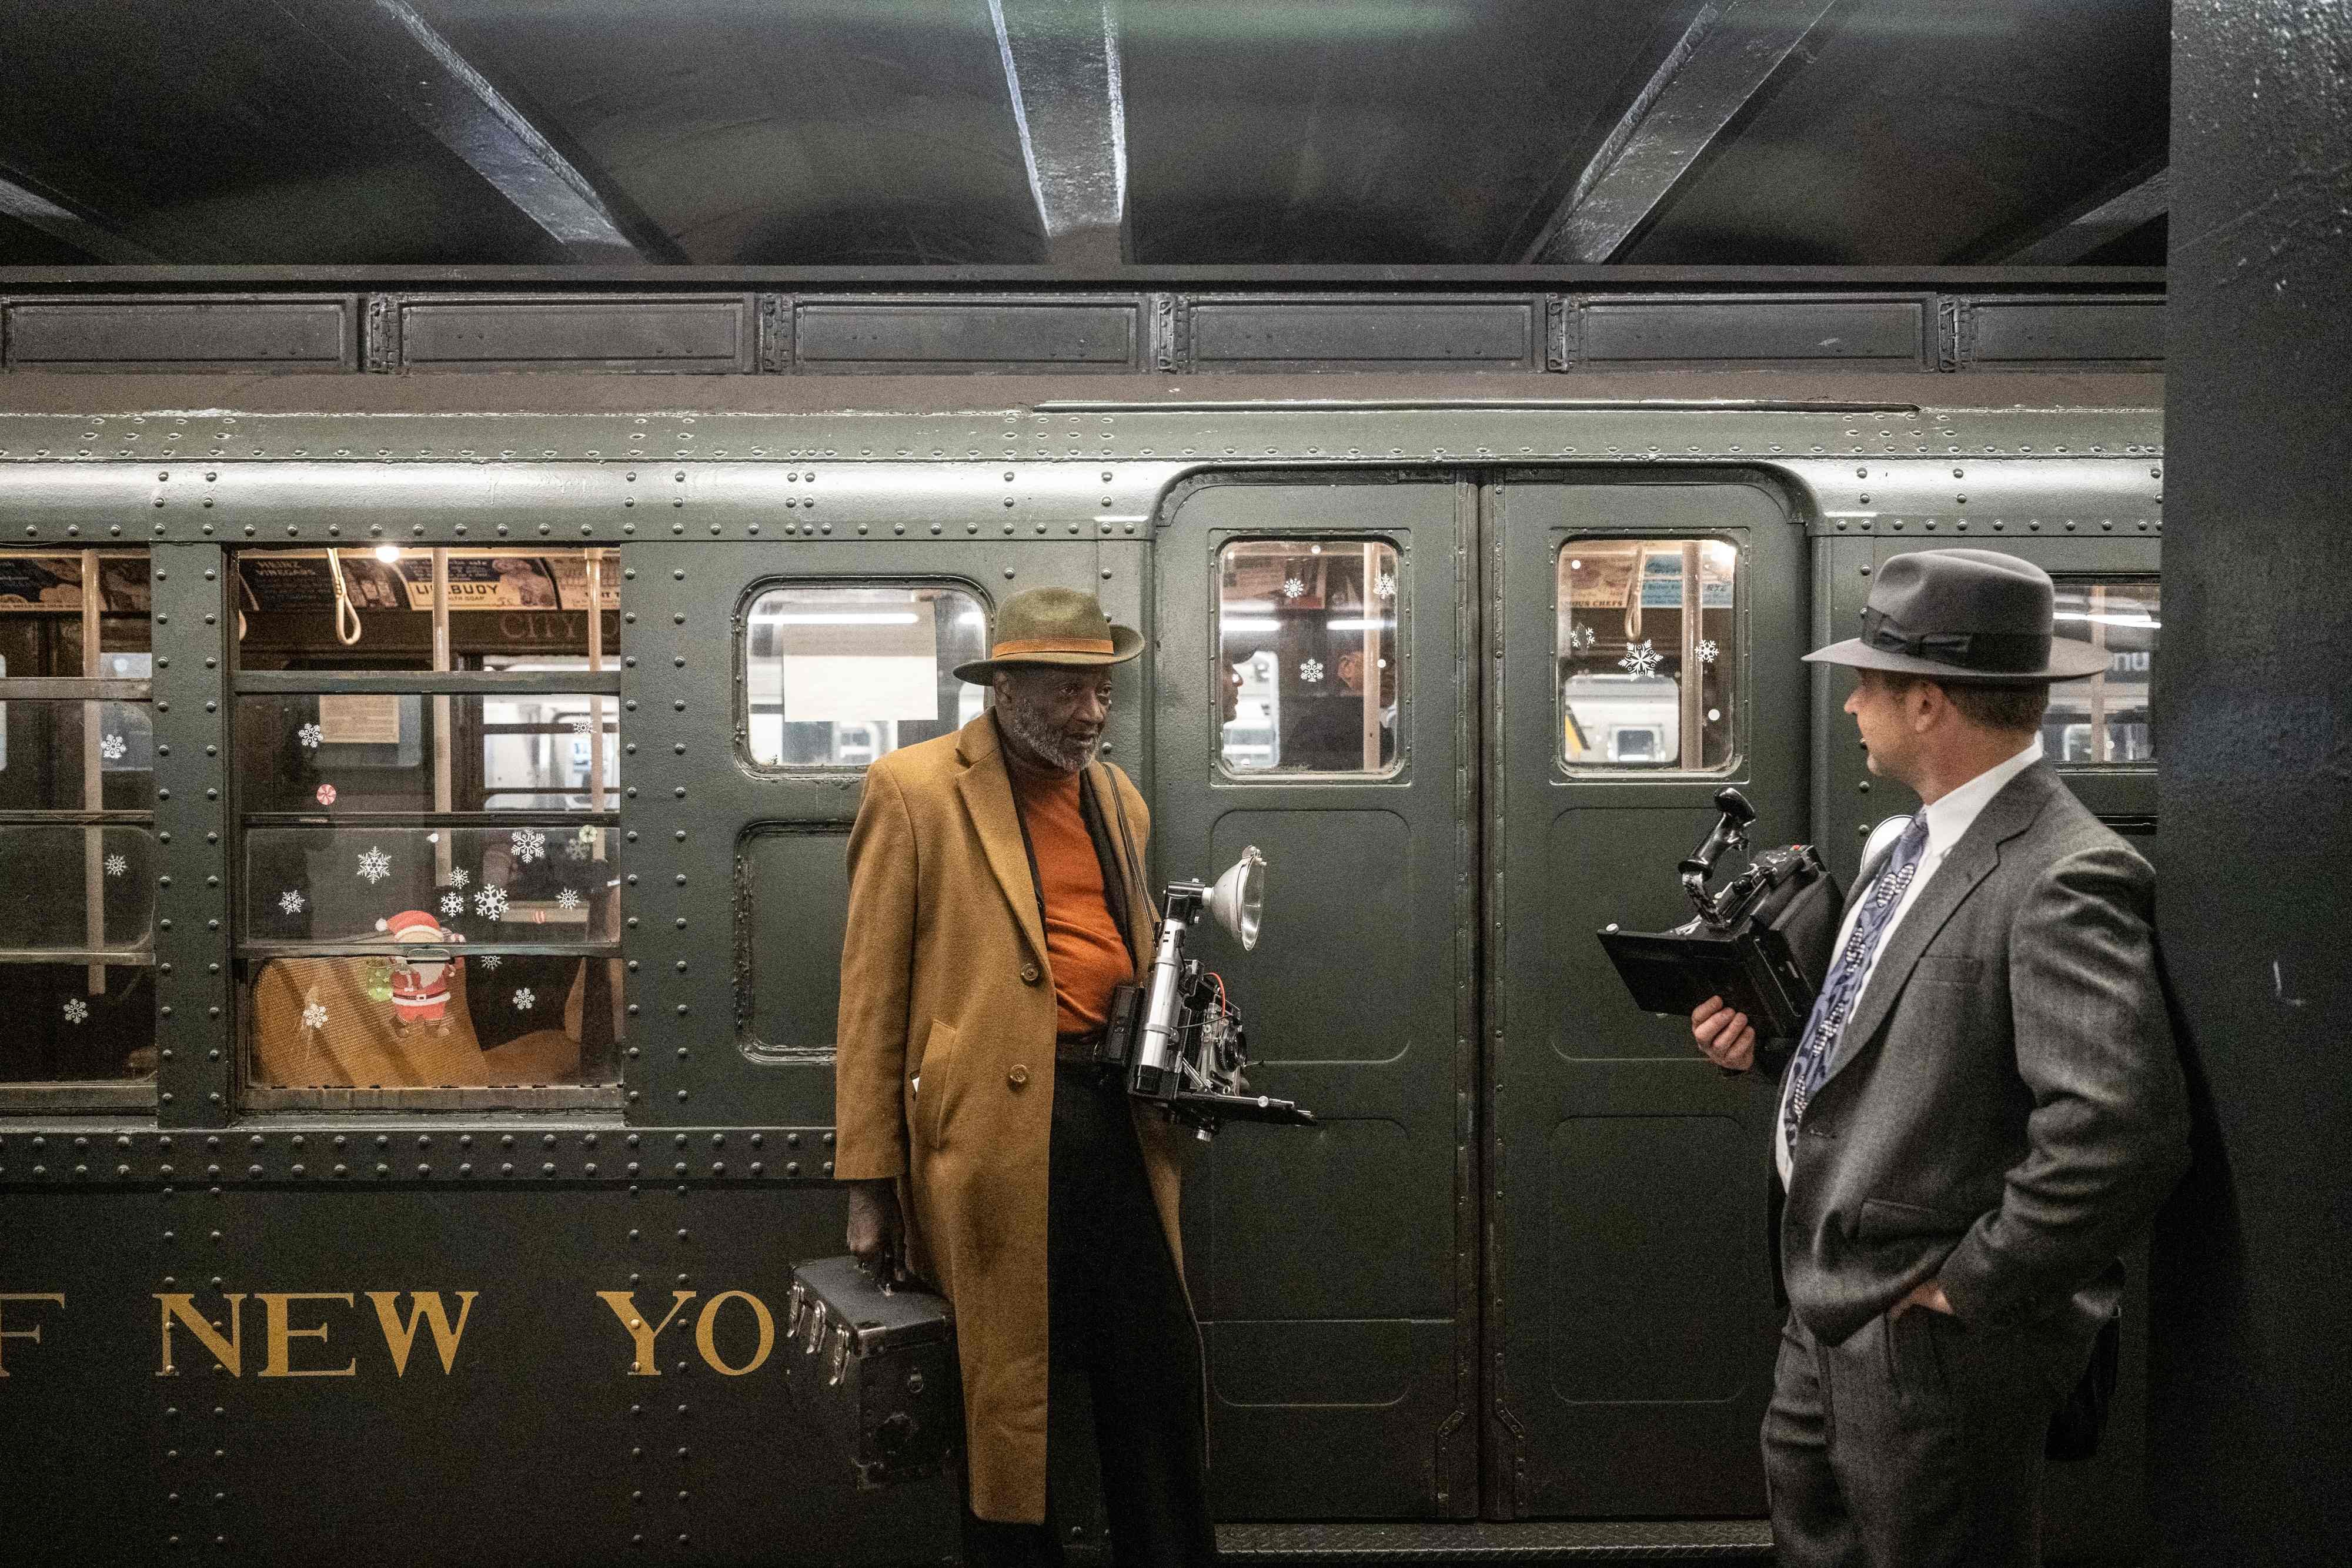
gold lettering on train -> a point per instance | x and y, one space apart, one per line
278 1334
625 1307
57 1301
424 1307
228 1350
708 1345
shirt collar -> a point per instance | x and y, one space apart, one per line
1951 816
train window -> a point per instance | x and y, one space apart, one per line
428 767
835 675
2105 721
1308 666
76 837
1648 653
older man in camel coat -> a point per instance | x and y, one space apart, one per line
997 895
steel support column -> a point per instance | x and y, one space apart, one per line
1061 67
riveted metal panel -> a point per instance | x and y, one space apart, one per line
693 796
1277 332
2061 333
193 616
101 332
674 333
856 335
1891 332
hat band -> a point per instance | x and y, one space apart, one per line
1994 652
1021 645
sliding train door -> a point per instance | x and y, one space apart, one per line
1646 638
1314 693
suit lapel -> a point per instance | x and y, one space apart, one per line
2006 815
986 790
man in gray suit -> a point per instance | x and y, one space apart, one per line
1984 1109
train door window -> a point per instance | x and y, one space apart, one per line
429 763
836 675
2104 721
1308 666
1648 654
77 835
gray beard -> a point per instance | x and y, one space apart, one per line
1047 744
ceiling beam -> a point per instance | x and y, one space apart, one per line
84 232
2144 194
393 49
1720 63
1061 67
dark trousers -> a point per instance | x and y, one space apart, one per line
1916 1443
1118 1320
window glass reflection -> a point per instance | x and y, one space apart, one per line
1308 665
836 676
2104 721
1648 652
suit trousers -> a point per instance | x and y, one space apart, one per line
1119 1322
1918 1442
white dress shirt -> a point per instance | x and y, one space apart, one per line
1948 820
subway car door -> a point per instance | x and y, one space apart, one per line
2098 736
1649 637
1309 699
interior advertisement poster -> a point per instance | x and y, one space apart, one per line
54 582
478 579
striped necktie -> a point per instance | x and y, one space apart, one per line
1843 987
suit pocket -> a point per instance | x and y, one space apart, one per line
1915 1352
935 1083
1950 969
1883 1219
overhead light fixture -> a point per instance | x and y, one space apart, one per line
388 554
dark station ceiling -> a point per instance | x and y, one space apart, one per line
1082 134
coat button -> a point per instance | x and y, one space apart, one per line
1017 1077
1030 974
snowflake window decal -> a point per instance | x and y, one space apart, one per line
491 960
1384 585
310 735
578 723
1292 588
523 1000
315 1015
77 1010
1641 660
453 904
581 845
374 865
112 747
490 903
117 864
1707 653
291 902
529 844
567 899
1581 638
1311 672
458 876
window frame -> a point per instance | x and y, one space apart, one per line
247 956
760 587
1739 685
1221 774
137 1096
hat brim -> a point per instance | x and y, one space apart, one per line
1126 642
2069 661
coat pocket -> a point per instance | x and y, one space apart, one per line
935 1083
1882 1219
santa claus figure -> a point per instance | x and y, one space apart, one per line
420 987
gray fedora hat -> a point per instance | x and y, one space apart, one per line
1056 627
1964 615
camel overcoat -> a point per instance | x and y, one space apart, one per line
944 1078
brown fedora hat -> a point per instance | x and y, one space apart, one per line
1057 627
1964 615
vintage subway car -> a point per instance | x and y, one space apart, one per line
423 804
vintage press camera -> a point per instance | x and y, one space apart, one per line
1180 1038
1763 943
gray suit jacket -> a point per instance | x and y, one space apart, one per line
2005 1110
